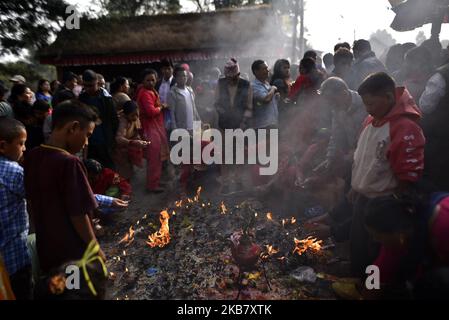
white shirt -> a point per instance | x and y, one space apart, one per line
435 90
189 108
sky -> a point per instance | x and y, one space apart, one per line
332 21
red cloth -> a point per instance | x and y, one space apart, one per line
440 232
135 155
302 83
406 150
108 179
152 121
389 261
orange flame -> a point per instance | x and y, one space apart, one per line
301 246
162 237
129 236
223 208
269 216
178 204
197 196
291 221
269 252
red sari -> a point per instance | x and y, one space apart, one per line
152 121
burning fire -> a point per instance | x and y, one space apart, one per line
162 237
178 204
269 252
309 243
129 236
197 196
270 216
223 208
285 221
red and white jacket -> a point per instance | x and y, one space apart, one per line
390 150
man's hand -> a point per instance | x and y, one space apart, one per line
120 204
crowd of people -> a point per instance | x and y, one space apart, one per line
366 138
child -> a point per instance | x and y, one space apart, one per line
389 156
14 225
129 149
108 186
414 239
61 201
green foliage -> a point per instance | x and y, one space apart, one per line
29 24
32 72
129 8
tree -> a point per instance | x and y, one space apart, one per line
29 24
130 8
206 5
380 41
32 72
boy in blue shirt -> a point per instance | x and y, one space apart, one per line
14 224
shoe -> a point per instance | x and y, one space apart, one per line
157 190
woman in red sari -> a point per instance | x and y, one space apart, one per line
152 120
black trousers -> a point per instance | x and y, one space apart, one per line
363 249
21 283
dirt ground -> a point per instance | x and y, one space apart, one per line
197 263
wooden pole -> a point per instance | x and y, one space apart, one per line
295 32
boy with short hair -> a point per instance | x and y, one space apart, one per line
14 225
61 201
389 156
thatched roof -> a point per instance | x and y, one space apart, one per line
190 36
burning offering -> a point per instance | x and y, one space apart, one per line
162 237
312 244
